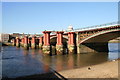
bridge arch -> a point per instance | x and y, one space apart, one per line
53 40
103 36
98 42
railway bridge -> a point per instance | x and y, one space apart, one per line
83 40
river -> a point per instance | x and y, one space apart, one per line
18 62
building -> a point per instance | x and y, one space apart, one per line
4 37
17 35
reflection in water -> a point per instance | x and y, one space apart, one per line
59 62
26 56
25 52
62 62
22 63
17 48
70 62
46 68
27 62
40 51
33 53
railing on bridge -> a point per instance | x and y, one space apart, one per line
96 26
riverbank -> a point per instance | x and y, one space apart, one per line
105 70
6 44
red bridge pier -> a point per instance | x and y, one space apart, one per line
22 42
33 42
26 46
40 42
71 44
59 45
29 42
17 42
46 40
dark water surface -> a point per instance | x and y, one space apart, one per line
18 62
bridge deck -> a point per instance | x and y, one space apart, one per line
96 27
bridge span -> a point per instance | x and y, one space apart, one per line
90 39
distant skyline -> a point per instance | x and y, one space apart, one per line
35 17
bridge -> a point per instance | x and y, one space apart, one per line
83 40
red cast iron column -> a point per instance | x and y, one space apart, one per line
46 45
17 42
22 42
71 45
26 42
33 45
46 37
59 45
40 42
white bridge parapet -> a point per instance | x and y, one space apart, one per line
96 27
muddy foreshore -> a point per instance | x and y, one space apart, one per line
104 71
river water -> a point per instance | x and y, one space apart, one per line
18 62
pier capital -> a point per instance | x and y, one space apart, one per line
71 38
46 37
59 37
71 32
46 32
60 32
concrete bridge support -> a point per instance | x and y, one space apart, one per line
40 42
26 46
17 42
59 45
93 47
46 45
71 45
33 45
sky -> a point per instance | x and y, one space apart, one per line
60 0
35 17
